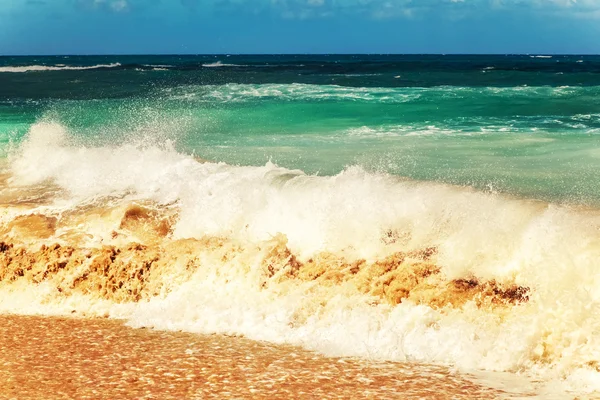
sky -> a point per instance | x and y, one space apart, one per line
298 26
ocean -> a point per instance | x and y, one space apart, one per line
437 209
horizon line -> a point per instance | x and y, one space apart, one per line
294 54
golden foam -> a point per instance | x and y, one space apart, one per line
137 258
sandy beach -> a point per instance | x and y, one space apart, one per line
68 358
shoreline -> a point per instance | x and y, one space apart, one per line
63 358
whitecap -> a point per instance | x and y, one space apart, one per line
59 67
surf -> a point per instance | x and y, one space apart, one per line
359 263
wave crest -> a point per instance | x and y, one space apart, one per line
218 64
42 68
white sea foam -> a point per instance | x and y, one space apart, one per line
551 249
61 67
157 67
220 64
298 91
239 93
353 75
413 130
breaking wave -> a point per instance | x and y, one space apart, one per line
41 68
218 64
356 264
239 93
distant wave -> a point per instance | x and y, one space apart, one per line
235 93
541 56
408 130
353 75
61 67
220 64
297 91
158 67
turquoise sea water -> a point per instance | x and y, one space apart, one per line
525 125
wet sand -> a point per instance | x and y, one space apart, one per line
68 358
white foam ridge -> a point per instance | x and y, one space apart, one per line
551 249
218 64
240 93
62 67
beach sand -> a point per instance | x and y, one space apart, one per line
69 358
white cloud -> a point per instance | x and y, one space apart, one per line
119 5
379 9
110 5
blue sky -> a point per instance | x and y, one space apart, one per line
299 26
